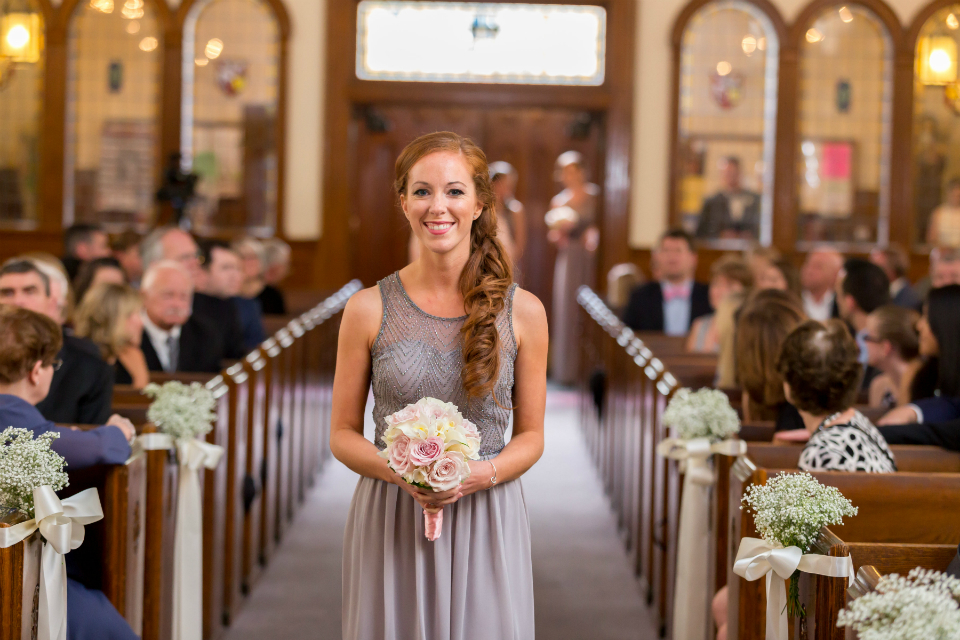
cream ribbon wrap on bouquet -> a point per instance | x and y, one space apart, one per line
691 600
192 454
61 524
757 558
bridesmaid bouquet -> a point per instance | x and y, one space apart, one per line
428 444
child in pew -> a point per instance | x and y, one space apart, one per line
29 343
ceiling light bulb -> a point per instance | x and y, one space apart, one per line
148 44
214 48
724 68
749 45
813 35
952 21
845 14
18 37
940 60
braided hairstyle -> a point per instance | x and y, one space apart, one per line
487 276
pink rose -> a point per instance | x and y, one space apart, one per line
400 454
448 471
408 414
423 452
471 428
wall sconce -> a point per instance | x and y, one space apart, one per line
938 60
20 37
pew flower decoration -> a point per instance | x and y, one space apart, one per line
428 444
181 411
705 413
925 605
27 462
789 511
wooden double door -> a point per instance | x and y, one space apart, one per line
529 138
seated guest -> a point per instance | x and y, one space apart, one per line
895 263
730 276
173 338
29 343
219 280
98 271
944 270
82 243
782 275
171 243
673 302
818 279
82 388
862 288
944 227
109 316
759 258
821 376
766 319
276 267
893 349
126 251
935 389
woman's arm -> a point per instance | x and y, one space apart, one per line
529 398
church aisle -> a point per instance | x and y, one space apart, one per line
584 586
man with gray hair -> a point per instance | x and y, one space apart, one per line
82 388
276 267
171 243
174 339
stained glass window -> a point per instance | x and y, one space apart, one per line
484 43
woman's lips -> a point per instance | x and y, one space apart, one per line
438 228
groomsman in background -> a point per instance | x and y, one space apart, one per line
734 212
673 302
895 264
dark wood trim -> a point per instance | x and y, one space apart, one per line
335 260
676 40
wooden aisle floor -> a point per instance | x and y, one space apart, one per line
584 586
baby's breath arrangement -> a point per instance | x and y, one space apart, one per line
923 606
182 411
27 462
705 413
789 511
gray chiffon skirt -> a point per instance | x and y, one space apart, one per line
474 583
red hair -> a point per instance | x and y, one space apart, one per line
487 276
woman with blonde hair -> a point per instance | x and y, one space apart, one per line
109 316
453 326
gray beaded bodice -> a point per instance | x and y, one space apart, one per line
418 355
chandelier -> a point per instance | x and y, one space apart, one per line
20 39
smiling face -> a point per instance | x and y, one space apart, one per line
441 201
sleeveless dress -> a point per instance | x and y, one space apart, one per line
476 581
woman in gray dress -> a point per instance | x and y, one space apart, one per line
576 263
453 326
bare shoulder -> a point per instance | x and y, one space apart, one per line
529 316
363 314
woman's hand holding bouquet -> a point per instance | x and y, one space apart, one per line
429 444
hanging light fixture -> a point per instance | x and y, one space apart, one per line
937 60
20 40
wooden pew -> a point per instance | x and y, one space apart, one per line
272 353
19 584
255 367
160 525
825 597
298 418
234 461
284 431
214 483
901 507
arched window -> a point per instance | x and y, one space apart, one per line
22 57
845 107
726 136
936 133
114 54
230 125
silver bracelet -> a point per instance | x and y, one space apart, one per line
493 480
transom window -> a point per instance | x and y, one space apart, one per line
482 43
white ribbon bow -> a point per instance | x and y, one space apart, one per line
757 558
691 600
61 524
192 454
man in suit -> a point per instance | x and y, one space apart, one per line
862 288
734 212
174 339
82 388
894 262
672 303
818 280
83 243
218 280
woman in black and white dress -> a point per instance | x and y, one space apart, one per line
821 375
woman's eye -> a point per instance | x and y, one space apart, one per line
456 192
420 192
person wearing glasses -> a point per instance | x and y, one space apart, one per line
82 390
29 343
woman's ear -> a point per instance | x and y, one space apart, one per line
403 206
33 376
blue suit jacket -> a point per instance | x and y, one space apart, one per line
81 449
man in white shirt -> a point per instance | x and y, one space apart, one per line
818 277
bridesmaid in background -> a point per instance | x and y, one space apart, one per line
512 230
576 261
